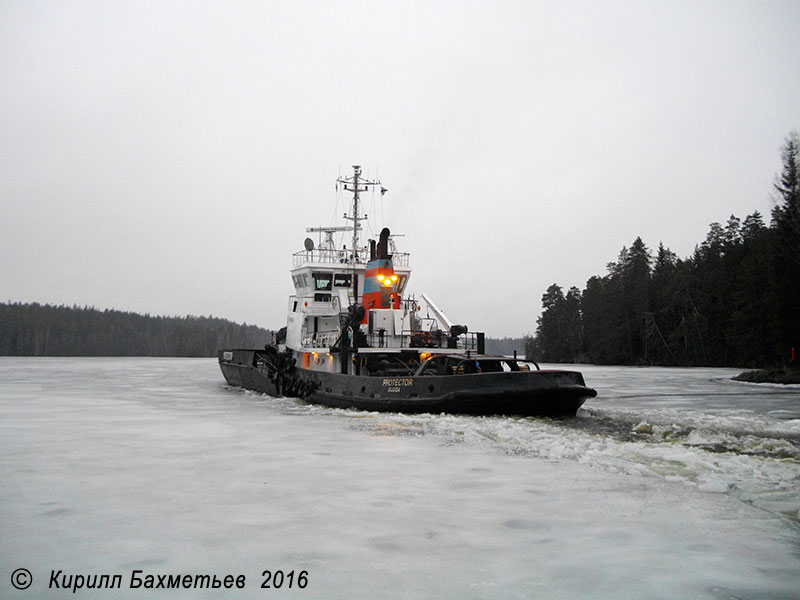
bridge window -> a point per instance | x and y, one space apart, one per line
342 279
300 280
401 283
323 281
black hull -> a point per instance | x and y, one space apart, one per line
529 393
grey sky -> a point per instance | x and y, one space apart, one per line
166 157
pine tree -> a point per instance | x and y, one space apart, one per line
786 223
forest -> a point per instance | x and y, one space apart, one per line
46 330
734 302
505 345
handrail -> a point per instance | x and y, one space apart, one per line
325 255
466 341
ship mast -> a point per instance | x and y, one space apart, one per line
356 184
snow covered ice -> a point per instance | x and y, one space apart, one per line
673 483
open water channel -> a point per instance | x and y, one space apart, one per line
672 483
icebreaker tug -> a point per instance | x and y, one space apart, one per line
355 339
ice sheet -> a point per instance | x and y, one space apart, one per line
111 465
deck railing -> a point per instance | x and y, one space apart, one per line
422 339
323 255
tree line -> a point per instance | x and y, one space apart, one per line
46 330
734 302
505 345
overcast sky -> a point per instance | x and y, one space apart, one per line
165 157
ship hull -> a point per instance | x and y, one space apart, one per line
530 393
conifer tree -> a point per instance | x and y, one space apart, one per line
786 222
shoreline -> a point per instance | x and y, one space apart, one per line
782 375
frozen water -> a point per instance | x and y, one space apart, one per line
672 483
